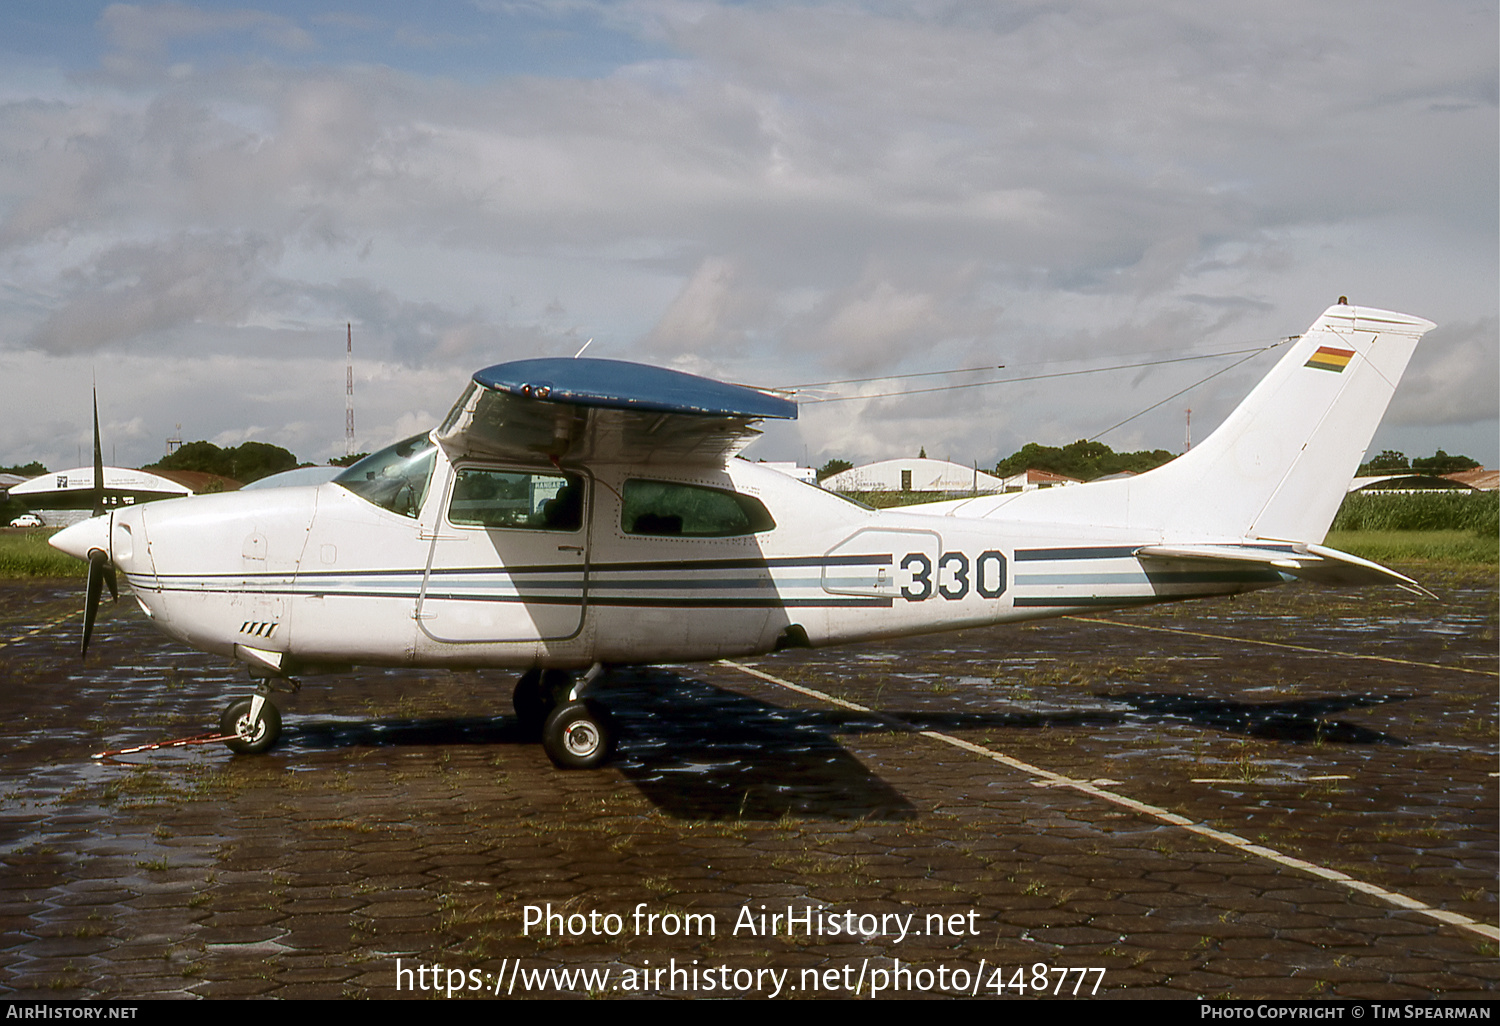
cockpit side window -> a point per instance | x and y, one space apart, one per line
395 478
517 499
690 511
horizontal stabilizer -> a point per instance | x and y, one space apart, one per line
1316 563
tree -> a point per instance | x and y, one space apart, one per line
1083 459
244 463
1441 463
255 460
200 456
1387 462
346 461
834 467
923 454
32 469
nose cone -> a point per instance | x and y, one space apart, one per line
77 540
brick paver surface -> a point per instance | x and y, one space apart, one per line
404 816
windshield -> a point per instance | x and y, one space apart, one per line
396 477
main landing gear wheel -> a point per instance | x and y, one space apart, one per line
579 735
537 693
251 736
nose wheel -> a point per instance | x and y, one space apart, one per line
254 730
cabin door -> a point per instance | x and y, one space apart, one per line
509 557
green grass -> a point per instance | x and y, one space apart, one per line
1465 548
27 554
1475 512
1443 528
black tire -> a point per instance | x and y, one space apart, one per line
579 735
250 738
530 704
537 693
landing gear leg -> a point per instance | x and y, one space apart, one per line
255 722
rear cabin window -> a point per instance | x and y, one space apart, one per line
665 508
517 499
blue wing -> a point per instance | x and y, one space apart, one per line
604 411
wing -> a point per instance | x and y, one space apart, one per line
604 411
1316 563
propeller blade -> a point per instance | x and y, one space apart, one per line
99 570
99 506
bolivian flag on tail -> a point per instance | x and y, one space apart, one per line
1330 359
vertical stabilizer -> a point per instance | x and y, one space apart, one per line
1280 464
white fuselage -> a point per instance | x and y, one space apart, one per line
295 579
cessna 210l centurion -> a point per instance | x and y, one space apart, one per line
569 515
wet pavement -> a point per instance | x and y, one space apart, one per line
1290 794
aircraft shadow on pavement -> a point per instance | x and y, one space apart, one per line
1302 720
695 751
701 752
1299 721
456 730
698 751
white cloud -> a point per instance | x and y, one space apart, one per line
799 191
1453 377
134 290
140 37
713 311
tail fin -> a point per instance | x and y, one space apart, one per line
1279 465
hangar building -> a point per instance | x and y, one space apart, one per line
65 497
913 475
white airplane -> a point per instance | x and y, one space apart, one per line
571 515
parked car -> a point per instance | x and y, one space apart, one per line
27 520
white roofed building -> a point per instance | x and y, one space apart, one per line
65 497
913 475
790 469
1031 479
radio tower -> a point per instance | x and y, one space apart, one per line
1189 443
349 391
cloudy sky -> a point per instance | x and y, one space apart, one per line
196 198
